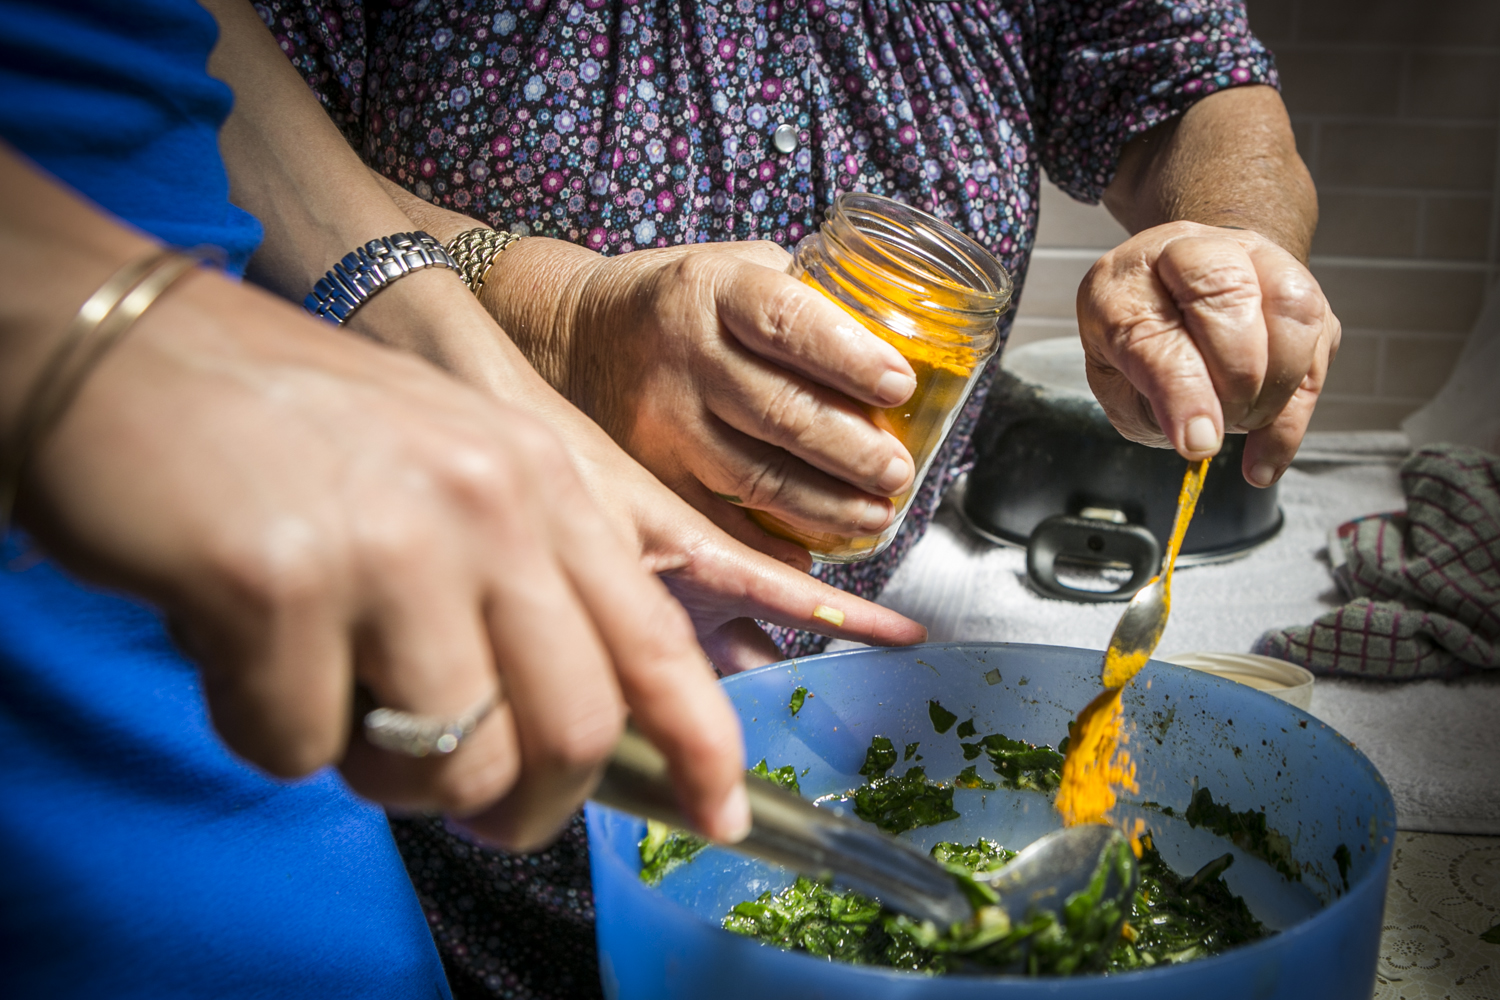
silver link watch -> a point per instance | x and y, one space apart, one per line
367 269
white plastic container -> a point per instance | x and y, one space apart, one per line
1278 678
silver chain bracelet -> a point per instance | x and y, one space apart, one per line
365 270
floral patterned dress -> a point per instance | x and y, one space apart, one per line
625 124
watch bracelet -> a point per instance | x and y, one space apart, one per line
365 270
475 250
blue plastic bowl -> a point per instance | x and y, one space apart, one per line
1190 730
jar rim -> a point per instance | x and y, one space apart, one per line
876 225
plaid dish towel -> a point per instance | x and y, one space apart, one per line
1425 585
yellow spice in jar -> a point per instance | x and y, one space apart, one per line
943 364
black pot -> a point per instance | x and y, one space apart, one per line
1053 474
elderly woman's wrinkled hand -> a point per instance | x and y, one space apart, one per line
1192 331
726 377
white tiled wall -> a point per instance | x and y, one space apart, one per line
1396 108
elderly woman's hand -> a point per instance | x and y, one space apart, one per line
1195 330
1191 331
721 374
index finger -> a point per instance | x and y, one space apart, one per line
1217 287
1143 364
672 694
796 326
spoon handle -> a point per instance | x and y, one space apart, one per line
788 830
1187 502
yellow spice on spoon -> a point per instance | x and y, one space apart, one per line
1098 766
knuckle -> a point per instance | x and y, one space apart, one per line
1335 334
691 270
1296 297
391 547
1226 287
479 478
667 632
770 252
585 739
287 564
761 485
790 412
786 313
475 785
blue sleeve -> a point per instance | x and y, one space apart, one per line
114 99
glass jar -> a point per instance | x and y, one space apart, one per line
931 292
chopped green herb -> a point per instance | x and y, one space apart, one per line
981 856
808 916
1175 919
664 848
1343 859
799 696
880 758
911 748
785 776
899 804
971 750
1171 920
1021 764
969 778
1491 936
1247 829
965 729
942 719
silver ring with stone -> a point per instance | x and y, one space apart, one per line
420 735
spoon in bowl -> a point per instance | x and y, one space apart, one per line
790 831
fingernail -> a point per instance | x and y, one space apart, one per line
1263 474
895 475
1201 435
875 517
894 388
734 816
832 616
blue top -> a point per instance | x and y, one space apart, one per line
138 857
115 100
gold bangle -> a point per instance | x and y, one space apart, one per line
101 323
475 251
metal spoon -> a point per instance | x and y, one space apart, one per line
1065 862
790 831
1145 618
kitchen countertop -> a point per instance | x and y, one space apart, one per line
1437 743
